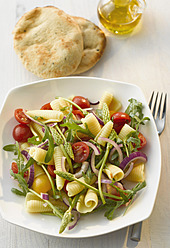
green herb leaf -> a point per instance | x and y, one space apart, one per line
33 140
11 148
77 128
50 151
134 110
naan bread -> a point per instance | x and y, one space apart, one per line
94 44
49 42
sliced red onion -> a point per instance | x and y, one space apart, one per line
63 159
31 169
99 120
66 201
112 151
128 170
26 154
133 156
31 176
32 119
45 204
73 223
44 196
94 103
83 169
113 143
105 181
95 148
43 144
95 171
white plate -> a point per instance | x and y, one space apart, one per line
34 95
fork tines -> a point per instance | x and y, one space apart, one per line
157 104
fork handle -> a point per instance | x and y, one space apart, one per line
136 232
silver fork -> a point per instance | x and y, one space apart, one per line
158 107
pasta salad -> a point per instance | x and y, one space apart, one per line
73 156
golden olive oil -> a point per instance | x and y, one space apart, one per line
120 16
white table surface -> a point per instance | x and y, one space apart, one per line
142 59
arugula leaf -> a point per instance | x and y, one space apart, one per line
134 110
126 195
76 128
22 184
33 140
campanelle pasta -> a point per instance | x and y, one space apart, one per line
58 154
87 202
46 115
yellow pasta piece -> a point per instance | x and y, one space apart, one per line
113 171
104 132
39 154
55 104
92 123
74 188
107 97
58 154
37 206
115 105
59 104
126 129
24 146
36 130
137 174
46 114
87 202
38 170
30 196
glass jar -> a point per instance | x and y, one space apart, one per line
120 16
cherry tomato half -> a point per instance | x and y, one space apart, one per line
46 106
21 133
21 117
142 141
119 120
78 114
81 152
14 168
81 101
51 169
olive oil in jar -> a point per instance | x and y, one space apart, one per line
120 16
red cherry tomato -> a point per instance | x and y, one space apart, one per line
14 168
21 117
46 106
78 114
81 101
21 133
119 120
51 169
142 141
81 152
